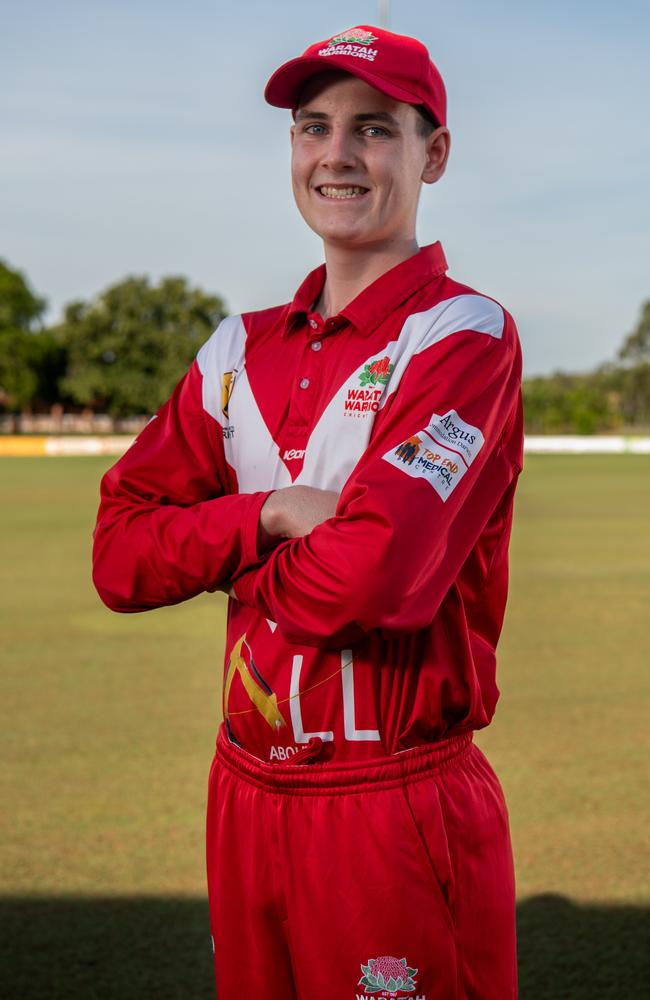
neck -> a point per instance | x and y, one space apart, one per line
350 270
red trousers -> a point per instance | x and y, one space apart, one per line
387 878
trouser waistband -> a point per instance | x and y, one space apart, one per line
342 777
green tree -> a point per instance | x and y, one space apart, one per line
635 373
19 307
636 346
129 346
575 404
31 359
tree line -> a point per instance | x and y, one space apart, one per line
122 352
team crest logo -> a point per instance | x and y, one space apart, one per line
377 371
408 450
355 36
388 976
227 382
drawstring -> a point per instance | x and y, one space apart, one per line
309 752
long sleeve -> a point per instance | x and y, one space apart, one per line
169 525
445 451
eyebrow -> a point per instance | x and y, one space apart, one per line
374 116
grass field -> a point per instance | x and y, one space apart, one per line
108 725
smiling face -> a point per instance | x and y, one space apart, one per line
358 162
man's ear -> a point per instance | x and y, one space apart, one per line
438 147
292 132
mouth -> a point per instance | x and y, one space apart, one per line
341 192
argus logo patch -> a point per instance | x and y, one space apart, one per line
441 453
455 433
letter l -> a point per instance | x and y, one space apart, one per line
349 721
299 734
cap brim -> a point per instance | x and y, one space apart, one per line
284 86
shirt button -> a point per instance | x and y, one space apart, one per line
313 324
316 345
304 383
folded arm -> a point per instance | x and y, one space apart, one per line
413 508
167 527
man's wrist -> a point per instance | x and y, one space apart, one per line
271 521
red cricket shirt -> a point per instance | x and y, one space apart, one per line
377 631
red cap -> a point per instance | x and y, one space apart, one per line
395 64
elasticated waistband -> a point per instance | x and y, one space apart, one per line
311 778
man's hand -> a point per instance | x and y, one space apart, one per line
290 512
293 512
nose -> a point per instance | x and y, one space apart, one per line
339 152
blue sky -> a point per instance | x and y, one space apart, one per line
135 140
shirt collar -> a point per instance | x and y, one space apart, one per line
379 299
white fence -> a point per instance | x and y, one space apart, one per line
582 444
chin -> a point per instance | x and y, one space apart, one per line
338 234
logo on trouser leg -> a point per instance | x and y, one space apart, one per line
387 976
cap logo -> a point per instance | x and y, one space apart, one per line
356 36
353 42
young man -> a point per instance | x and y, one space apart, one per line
344 466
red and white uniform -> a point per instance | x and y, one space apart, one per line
377 631
356 836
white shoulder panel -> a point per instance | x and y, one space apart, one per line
223 352
248 445
422 330
227 396
464 312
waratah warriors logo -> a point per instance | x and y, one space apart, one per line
356 36
409 449
388 976
376 371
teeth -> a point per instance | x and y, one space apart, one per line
334 192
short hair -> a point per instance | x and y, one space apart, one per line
426 123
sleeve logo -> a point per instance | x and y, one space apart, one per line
227 384
441 453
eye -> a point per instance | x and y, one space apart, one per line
377 129
314 125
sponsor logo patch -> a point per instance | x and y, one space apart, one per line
283 753
292 454
455 433
441 453
389 977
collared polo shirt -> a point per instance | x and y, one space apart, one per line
378 630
